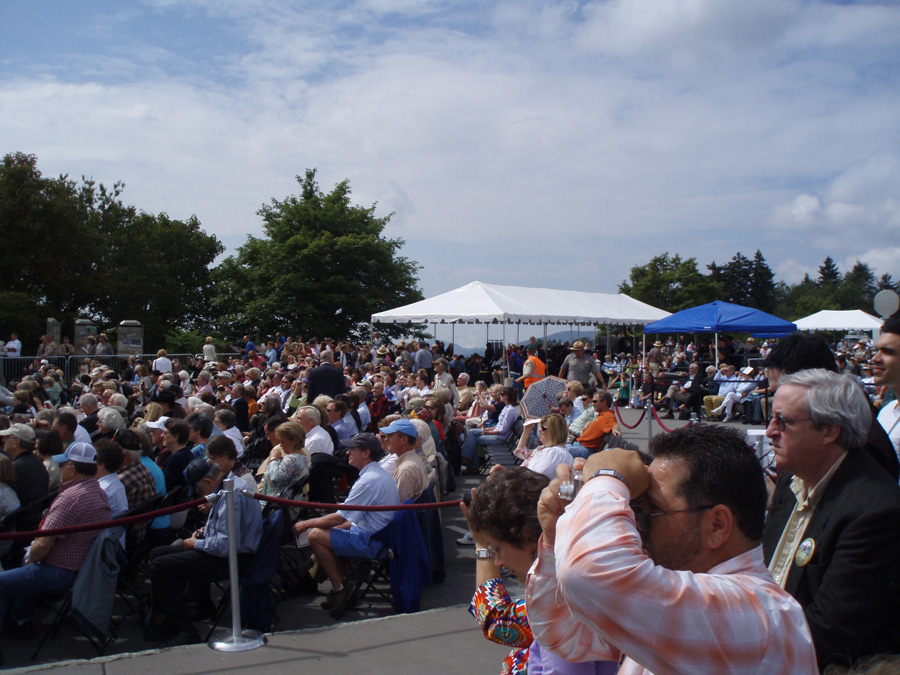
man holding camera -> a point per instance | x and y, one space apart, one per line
661 566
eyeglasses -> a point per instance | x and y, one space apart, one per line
782 422
642 517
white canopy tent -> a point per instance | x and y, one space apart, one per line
477 302
851 319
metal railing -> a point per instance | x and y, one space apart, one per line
16 367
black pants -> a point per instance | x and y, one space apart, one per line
173 569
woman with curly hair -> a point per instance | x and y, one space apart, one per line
504 523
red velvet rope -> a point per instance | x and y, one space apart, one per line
355 507
628 426
659 421
119 522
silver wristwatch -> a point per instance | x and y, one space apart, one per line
612 473
484 553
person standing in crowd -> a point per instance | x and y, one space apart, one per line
579 367
886 373
832 536
661 566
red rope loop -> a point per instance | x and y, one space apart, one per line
106 524
355 507
628 426
659 421
120 522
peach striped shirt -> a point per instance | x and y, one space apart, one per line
601 597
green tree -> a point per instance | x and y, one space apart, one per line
73 250
858 287
734 279
323 268
829 274
670 283
763 294
887 283
804 299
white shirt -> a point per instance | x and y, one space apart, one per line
318 440
82 435
235 435
889 419
14 348
163 364
546 459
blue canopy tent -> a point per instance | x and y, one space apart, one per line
721 317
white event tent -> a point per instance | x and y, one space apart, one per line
851 319
477 302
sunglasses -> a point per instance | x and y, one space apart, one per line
782 422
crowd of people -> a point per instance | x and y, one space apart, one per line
686 558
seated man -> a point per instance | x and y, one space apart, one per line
678 395
53 562
200 559
409 471
662 567
744 386
496 435
226 421
347 534
727 383
595 434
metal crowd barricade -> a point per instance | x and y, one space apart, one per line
15 367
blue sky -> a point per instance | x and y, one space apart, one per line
531 143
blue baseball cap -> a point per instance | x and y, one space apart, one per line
401 426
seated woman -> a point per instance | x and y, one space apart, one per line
288 463
504 523
551 452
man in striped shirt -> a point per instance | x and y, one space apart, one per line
660 567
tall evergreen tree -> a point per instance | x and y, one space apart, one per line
763 295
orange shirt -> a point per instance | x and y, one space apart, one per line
596 431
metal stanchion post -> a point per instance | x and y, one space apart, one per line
237 640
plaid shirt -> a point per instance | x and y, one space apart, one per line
378 409
79 502
140 486
602 597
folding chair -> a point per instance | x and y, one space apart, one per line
367 573
256 606
89 603
499 454
133 562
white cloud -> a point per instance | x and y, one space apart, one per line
525 140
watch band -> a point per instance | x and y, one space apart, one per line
484 553
612 473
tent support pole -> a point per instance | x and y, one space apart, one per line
505 355
453 335
717 350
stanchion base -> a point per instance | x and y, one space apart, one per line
224 641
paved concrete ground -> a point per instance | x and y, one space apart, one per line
369 634
437 641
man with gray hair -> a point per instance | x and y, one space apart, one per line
832 537
89 406
317 439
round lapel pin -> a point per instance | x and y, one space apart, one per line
804 552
